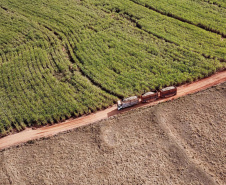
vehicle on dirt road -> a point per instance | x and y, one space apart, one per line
168 91
149 96
128 102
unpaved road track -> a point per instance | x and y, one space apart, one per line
30 134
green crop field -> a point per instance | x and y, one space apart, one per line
62 59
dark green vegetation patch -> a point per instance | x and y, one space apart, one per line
68 58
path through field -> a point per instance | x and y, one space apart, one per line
32 134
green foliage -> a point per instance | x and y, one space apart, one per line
200 13
68 58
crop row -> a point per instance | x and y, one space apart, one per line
198 13
169 29
33 95
125 68
32 88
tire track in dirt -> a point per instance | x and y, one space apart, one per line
182 148
47 131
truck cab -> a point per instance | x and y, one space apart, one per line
127 102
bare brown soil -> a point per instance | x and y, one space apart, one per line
177 142
31 134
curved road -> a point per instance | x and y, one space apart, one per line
31 134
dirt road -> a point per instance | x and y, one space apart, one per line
30 134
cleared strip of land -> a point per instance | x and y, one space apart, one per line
31 134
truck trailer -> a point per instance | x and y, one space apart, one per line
168 91
149 96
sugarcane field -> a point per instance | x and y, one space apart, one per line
112 92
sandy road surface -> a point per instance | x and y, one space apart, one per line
30 134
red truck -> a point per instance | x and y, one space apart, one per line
168 91
149 96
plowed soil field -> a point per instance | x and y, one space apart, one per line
176 142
